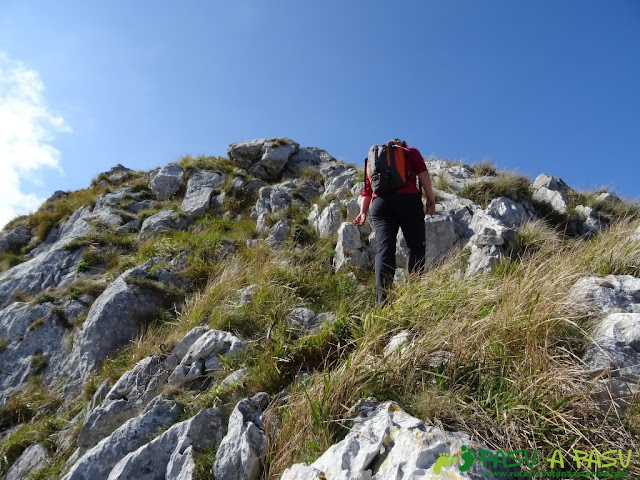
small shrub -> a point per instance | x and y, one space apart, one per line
484 169
313 174
38 322
504 184
38 363
9 260
4 342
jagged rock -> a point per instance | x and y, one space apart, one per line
203 356
603 295
278 234
34 339
167 182
183 346
119 310
483 259
170 456
329 221
341 184
456 176
100 460
131 226
440 237
266 159
508 212
241 452
616 346
349 249
125 400
163 221
386 442
197 198
245 154
137 207
32 460
591 224
552 191
56 195
316 158
13 240
51 265
118 174
273 199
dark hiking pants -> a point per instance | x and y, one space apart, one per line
388 213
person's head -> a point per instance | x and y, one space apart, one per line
400 142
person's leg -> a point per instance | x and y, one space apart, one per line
386 228
413 228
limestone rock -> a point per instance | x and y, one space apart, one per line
200 187
275 154
169 456
441 237
616 346
100 460
329 221
246 295
32 460
341 184
242 450
245 154
162 222
349 249
591 224
278 234
552 191
13 240
303 319
510 213
483 259
313 157
603 295
385 442
398 343
167 182
608 198
34 345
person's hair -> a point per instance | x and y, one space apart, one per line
401 142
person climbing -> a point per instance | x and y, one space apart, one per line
392 207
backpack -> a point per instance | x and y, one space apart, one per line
386 167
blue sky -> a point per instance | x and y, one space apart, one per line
534 86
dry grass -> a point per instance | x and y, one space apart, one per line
512 377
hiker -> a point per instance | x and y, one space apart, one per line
398 208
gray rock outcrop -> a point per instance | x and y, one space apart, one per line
170 456
327 222
200 188
552 191
133 434
386 442
350 251
278 234
32 460
266 159
241 453
14 239
163 221
167 182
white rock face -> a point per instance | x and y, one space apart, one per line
242 450
387 443
167 182
163 221
278 234
341 184
510 213
349 250
329 221
616 346
552 191
441 237
603 295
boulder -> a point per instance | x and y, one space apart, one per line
341 184
163 221
170 456
349 250
273 199
241 453
603 295
399 342
328 222
303 319
167 182
591 224
266 159
246 294
32 460
441 237
386 442
245 154
278 234
200 187
14 239
509 213
552 191
608 198
133 434
316 158
616 346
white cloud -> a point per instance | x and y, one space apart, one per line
26 128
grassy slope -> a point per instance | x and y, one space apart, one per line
512 345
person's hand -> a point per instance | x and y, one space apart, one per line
360 219
430 207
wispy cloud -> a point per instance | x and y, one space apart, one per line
27 127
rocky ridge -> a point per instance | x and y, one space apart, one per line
135 428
